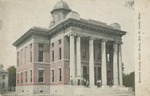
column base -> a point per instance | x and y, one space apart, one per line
115 86
121 86
92 86
105 86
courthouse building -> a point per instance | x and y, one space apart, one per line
71 50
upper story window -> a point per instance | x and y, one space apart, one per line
59 41
84 49
40 52
60 53
30 52
21 59
25 53
52 44
109 55
3 76
41 75
17 59
99 52
53 55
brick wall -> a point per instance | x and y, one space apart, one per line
46 74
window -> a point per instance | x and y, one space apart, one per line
26 77
84 52
3 76
52 75
52 44
17 59
30 52
40 53
108 57
25 52
59 53
41 75
30 75
95 51
17 78
60 41
99 52
60 75
3 85
53 55
21 57
21 77
40 56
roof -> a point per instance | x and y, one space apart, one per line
82 23
88 24
61 5
2 70
30 32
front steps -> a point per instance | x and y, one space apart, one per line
85 91
108 91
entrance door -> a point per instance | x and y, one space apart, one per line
95 75
109 77
85 72
99 73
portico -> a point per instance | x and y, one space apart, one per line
108 68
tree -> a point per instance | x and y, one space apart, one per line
1 66
128 80
11 76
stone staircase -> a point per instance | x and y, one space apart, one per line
110 91
86 91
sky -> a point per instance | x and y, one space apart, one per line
18 16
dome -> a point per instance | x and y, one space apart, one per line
61 5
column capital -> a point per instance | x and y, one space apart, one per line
118 42
79 35
92 38
104 40
72 34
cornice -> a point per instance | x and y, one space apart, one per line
31 32
84 25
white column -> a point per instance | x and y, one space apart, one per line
78 56
72 58
91 61
115 64
103 65
120 66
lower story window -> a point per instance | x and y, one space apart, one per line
52 75
30 75
3 84
40 75
60 76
